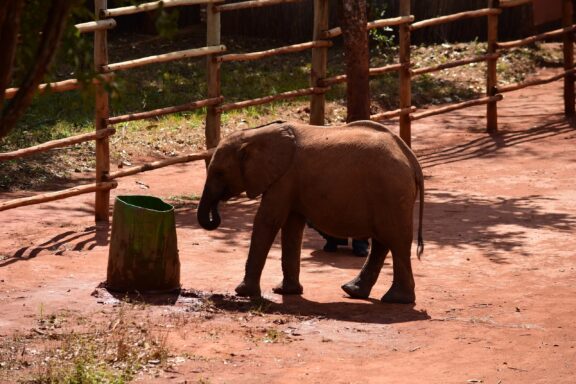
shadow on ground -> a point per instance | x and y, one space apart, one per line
489 145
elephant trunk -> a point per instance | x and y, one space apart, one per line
208 216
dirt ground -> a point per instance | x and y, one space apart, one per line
496 287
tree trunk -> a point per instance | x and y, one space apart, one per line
143 253
50 38
353 22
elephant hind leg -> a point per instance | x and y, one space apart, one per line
292 231
402 289
360 287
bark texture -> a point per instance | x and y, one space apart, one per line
10 16
353 21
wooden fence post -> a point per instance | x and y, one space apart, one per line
102 112
567 15
491 75
405 77
319 63
213 114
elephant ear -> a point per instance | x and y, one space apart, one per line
266 154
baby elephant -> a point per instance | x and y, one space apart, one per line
358 180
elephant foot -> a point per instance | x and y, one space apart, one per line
288 288
397 295
246 290
355 289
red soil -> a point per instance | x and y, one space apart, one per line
496 287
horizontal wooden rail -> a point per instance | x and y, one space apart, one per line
146 7
530 83
275 51
164 111
372 25
160 164
455 17
269 99
196 52
513 3
97 25
455 107
44 147
532 39
59 86
252 4
371 72
51 196
457 63
392 114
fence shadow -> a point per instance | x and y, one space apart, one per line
489 145
87 239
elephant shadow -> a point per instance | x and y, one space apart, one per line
370 311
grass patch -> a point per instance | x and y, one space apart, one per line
68 350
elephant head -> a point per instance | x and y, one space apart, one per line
246 161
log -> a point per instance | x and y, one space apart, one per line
147 7
143 254
59 86
568 54
102 112
392 114
213 81
276 51
44 147
541 36
319 67
372 72
269 99
381 23
405 83
252 4
491 69
531 83
455 17
205 155
97 25
455 107
178 55
164 111
458 63
59 195
513 3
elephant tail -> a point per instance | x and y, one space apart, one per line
420 183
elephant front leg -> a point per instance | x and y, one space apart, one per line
291 248
360 287
264 231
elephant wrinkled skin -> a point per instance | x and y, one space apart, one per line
358 180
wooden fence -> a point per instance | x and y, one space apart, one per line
216 55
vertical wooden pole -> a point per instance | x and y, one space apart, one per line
102 107
491 75
567 15
319 62
405 78
213 116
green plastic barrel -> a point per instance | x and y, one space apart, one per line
143 254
